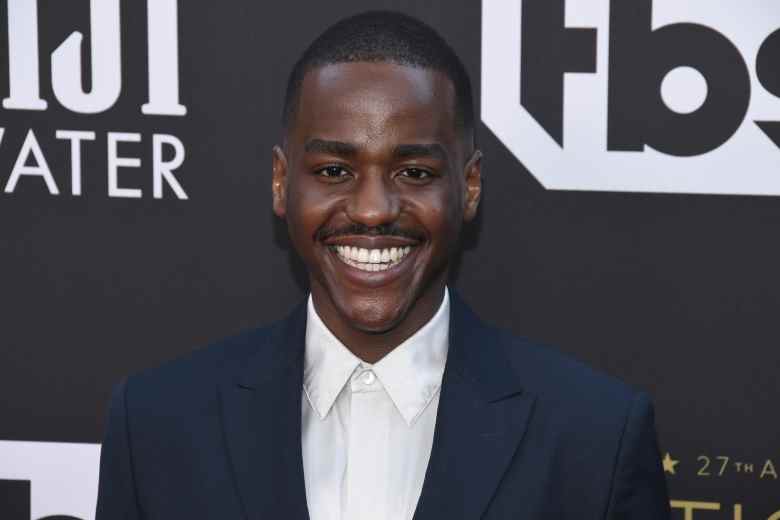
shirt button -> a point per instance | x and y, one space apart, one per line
368 377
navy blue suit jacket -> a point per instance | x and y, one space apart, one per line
521 433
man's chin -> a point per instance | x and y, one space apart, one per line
372 316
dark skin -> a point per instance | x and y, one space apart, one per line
374 158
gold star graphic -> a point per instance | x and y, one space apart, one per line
669 464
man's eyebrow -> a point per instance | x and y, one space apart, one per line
406 151
329 147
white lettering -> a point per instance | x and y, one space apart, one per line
41 168
106 62
163 60
115 162
23 57
63 476
164 169
75 137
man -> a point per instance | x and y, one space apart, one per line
383 396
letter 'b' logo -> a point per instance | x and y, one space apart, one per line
640 95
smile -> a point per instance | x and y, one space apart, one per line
371 259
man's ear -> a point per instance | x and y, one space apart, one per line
279 182
473 186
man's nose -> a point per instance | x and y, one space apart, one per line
374 201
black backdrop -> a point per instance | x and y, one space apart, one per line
674 293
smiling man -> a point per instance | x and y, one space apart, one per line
383 396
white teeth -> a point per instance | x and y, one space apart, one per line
372 259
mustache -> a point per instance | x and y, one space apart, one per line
390 229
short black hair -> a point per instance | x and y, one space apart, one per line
383 36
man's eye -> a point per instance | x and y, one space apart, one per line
417 174
332 172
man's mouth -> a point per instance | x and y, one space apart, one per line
371 259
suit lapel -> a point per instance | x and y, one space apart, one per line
262 424
480 422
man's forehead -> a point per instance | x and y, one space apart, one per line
365 99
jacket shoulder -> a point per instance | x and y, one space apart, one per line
564 381
191 380
577 409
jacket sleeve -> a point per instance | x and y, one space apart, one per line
116 491
639 485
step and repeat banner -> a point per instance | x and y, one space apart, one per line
630 213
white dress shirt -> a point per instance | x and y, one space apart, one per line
367 430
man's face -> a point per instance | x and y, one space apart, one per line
375 182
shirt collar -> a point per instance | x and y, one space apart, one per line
411 373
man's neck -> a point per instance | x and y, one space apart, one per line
373 346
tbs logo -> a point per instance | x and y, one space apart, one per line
48 480
639 95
